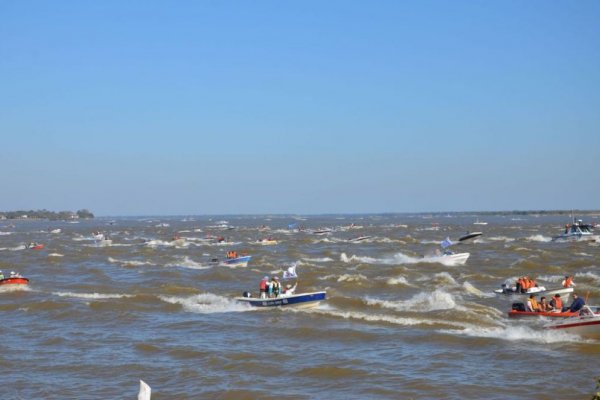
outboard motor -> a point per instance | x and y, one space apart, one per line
247 294
518 306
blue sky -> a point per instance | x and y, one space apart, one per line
227 107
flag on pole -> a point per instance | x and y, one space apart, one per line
290 273
446 243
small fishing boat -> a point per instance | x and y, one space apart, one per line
478 222
586 323
241 261
104 242
177 241
35 246
14 280
300 300
267 242
359 239
565 293
322 231
469 235
576 231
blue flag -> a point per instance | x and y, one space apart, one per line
446 243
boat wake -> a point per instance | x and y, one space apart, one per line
421 302
538 238
92 296
516 334
187 262
129 263
206 303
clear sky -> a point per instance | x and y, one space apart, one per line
229 107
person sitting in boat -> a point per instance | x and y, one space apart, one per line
556 303
576 305
289 289
532 304
544 306
568 281
263 287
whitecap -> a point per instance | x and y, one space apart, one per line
94 296
206 303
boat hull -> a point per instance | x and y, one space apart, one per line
37 247
301 300
523 314
585 326
14 281
238 262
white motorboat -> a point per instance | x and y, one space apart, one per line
576 231
586 324
478 222
565 293
448 258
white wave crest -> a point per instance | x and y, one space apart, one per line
380 318
538 238
14 288
55 255
501 239
93 296
517 333
135 263
5 233
400 280
187 262
321 259
588 275
206 303
421 302
469 288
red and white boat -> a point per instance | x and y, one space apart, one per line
585 324
35 246
14 280
551 314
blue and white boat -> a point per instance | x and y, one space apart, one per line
300 300
576 231
238 261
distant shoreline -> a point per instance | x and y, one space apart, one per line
45 215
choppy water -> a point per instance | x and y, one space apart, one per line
95 320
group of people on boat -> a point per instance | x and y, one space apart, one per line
232 254
554 305
13 274
271 287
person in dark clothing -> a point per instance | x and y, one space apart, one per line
576 305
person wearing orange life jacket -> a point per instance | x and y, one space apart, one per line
568 281
532 304
556 303
520 285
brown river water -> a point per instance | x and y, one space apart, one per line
94 319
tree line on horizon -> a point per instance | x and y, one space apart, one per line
46 214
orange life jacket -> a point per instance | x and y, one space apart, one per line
534 304
558 303
568 282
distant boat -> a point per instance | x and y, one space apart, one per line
14 279
565 293
448 258
35 246
576 231
267 241
322 231
300 300
241 261
359 239
477 222
469 235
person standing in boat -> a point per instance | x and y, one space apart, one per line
276 286
289 289
568 282
576 305
263 287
